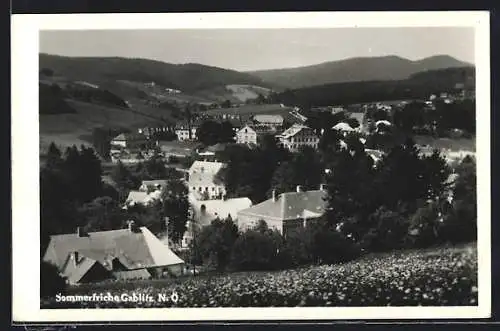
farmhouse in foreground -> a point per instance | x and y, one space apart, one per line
132 253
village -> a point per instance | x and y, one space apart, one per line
115 254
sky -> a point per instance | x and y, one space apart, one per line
258 49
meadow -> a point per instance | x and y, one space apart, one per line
76 128
445 276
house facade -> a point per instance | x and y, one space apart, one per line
252 134
183 133
297 136
203 180
131 253
286 211
246 135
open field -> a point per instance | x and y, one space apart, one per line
245 92
251 109
432 277
68 129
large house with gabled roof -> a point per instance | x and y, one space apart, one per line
285 211
297 136
131 253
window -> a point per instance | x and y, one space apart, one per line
213 189
206 188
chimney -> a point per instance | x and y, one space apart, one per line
273 194
75 258
166 229
299 188
322 187
131 225
79 231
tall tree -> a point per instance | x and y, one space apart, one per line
101 214
401 177
436 172
305 169
175 206
215 242
124 179
351 193
54 157
209 132
257 249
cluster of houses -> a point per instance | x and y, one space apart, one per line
136 253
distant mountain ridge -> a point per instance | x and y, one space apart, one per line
185 77
355 70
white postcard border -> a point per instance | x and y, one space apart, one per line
25 158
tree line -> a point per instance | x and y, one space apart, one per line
73 194
418 86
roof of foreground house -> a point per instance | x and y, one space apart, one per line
217 208
155 184
293 130
129 137
137 197
342 126
290 205
136 249
275 119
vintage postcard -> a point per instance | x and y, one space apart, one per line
251 166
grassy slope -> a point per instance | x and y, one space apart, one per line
186 77
69 129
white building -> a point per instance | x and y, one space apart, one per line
251 134
182 133
203 181
297 136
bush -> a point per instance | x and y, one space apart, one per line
424 226
51 282
297 249
330 246
460 225
254 250
389 231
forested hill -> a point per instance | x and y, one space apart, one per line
418 86
355 70
185 77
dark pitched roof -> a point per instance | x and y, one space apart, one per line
129 137
289 206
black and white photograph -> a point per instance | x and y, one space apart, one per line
266 167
